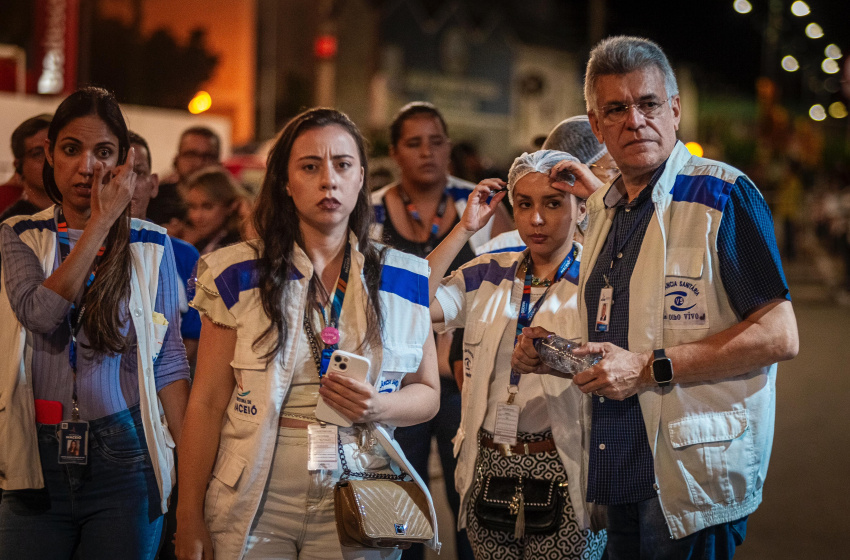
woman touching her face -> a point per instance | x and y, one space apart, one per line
525 427
94 296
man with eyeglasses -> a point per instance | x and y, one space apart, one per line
199 147
681 260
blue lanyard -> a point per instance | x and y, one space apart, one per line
336 311
75 318
617 246
435 222
527 312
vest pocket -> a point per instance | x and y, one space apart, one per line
221 491
715 456
248 397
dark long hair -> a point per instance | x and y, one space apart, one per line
111 287
276 221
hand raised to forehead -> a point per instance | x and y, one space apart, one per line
586 183
111 192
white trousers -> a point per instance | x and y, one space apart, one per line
296 517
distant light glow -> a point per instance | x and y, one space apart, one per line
830 66
790 64
200 103
814 31
325 47
832 51
800 9
742 6
817 112
694 148
838 110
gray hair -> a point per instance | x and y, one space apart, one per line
575 136
541 161
622 55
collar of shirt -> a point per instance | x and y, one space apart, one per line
615 197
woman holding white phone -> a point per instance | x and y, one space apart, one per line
273 311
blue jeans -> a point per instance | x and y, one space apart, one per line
415 441
640 531
104 510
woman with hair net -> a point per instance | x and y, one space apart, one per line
594 168
527 429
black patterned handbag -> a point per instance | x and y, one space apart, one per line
520 505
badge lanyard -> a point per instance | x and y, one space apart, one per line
606 294
75 318
527 312
435 223
330 333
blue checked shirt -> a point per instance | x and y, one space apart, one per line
621 469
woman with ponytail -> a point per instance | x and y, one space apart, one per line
94 378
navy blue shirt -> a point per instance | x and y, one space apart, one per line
621 469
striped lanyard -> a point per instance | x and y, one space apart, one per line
330 333
75 317
527 312
413 212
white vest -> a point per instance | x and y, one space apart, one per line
710 441
20 467
484 286
250 427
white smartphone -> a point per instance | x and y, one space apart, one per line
349 365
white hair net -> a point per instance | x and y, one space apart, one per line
574 135
541 161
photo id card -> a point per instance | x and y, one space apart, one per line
73 442
603 312
507 420
322 447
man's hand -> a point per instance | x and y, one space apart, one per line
619 375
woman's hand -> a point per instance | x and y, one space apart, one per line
112 192
525 358
478 212
192 540
586 183
356 400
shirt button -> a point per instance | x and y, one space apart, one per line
602 446
137 312
619 255
601 399
628 209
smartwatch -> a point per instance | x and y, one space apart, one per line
662 368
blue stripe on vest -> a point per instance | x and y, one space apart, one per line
26 225
703 189
517 249
403 283
237 278
147 236
380 213
459 193
491 272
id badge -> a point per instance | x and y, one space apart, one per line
73 442
322 447
507 420
603 311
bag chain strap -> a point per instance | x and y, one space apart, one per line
346 473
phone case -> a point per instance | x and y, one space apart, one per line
349 365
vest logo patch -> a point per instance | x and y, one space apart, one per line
684 303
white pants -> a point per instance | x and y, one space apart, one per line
296 517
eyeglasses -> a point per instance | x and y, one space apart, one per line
613 168
616 113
